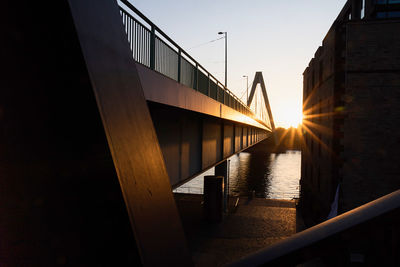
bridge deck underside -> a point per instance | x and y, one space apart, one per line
192 143
195 132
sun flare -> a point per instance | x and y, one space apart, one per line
293 119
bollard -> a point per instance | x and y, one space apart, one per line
222 169
213 189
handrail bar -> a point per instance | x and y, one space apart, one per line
140 14
322 231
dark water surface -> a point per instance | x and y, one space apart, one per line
270 175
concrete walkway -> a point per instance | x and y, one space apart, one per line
254 224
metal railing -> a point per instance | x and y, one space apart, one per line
152 48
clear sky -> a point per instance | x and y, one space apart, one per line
278 38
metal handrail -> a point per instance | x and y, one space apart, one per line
322 231
180 50
140 14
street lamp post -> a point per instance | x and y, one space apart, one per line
247 88
226 57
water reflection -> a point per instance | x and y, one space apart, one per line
269 175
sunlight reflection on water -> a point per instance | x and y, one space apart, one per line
270 175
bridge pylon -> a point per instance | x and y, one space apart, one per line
258 79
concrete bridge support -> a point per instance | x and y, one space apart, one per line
83 182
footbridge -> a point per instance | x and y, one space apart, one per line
101 115
199 122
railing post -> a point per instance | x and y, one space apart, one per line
196 77
208 85
179 64
223 96
218 96
152 48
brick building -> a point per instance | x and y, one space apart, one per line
351 106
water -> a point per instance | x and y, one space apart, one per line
270 175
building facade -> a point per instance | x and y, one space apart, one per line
351 107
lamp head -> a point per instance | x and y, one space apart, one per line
221 32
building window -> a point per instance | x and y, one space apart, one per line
305 134
305 169
311 175
381 15
319 180
384 2
319 146
319 110
312 146
312 79
393 14
321 71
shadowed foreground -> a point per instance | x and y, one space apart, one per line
253 225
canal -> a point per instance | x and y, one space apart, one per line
269 175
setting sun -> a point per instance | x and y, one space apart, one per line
289 118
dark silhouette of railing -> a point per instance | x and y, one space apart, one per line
151 47
373 227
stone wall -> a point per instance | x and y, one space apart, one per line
318 183
371 129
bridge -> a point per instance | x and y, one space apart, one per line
102 115
199 122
